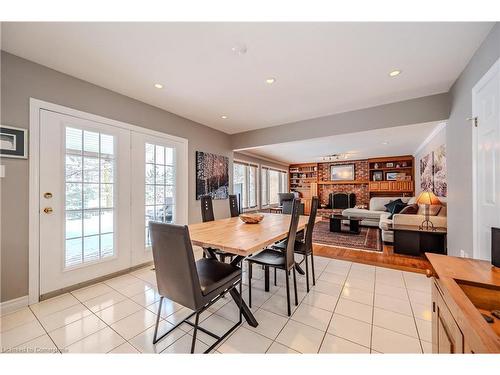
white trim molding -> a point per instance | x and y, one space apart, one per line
429 138
36 106
12 305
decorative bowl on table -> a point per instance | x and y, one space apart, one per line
251 218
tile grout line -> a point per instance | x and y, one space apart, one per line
413 315
335 308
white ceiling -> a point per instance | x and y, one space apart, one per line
401 140
320 68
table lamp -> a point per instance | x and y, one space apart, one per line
427 198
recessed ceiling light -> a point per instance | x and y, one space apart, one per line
239 48
385 143
158 85
270 80
223 117
395 73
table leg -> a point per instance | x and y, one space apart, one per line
247 313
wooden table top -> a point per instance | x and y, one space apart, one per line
234 236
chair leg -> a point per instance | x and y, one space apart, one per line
295 286
312 266
157 321
288 292
196 321
307 273
275 276
250 284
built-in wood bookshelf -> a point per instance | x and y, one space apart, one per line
392 175
303 179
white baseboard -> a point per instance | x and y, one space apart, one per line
13 305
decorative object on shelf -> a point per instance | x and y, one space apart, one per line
376 165
389 165
13 142
404 164
427 198
342 172
251 218
400 176
391 176
398 165
378 176
212 175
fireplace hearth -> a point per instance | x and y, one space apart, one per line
341 201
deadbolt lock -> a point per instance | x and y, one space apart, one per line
47 195
48 210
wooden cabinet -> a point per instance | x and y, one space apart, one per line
391 186
446 335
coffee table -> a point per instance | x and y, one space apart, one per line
336 224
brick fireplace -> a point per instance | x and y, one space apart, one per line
362 173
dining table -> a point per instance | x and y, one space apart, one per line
233 236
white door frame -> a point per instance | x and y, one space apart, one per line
475 211
36 106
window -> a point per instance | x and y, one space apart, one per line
274 181
89 203
245 183
160 186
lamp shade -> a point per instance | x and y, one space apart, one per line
428 197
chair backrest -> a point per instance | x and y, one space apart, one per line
311 222
286 197
176 274
286 208
233 206
207 209
292 233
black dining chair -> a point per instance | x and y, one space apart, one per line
304 247
207 214
278 259
233 206
193 284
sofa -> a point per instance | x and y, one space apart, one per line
377 216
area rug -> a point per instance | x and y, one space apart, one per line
368 239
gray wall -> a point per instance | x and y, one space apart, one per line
408 112
437 140
459 144
257 160
22 79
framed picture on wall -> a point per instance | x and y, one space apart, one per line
13 142
343 172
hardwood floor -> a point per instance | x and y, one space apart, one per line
386 258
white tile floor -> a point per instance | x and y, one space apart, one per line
353 308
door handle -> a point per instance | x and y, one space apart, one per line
47 195
48 210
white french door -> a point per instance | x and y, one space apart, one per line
486 108
84 200
158 164
99 186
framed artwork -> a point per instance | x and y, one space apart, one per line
13 142
389 165
378 176
342 172
212 175
391 176
433 172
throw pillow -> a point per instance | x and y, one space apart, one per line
396 209
389 206
411 209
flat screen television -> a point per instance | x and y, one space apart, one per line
344 172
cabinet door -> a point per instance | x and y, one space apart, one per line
446 336
385 186
374 186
